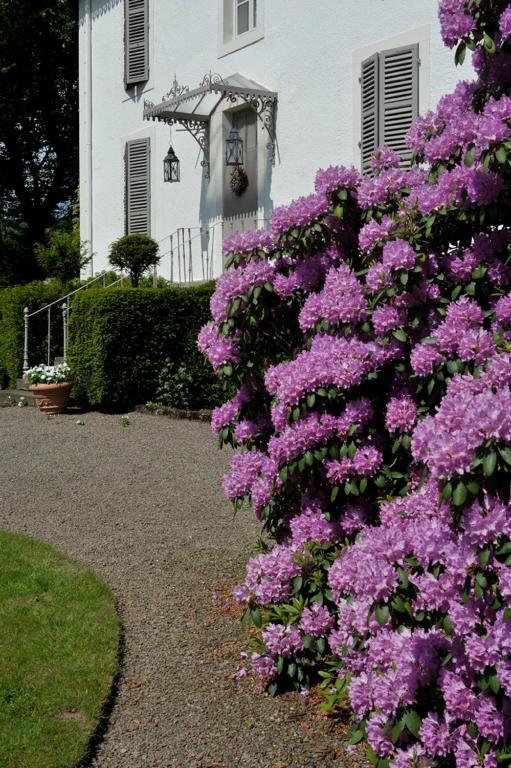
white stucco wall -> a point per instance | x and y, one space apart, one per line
310 55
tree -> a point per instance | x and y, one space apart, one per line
38 126
63 255
134 254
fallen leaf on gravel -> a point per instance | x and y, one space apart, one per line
135 683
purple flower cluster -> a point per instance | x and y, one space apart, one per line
334 178
373 421
247 242
299 214
325 305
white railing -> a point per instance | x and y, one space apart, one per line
65 308
192 254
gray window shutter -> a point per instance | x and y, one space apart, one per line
370 109
136 41
138 187
399 98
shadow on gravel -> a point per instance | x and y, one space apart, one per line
99 733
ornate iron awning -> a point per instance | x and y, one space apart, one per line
193 108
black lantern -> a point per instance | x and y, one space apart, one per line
234 148
171 166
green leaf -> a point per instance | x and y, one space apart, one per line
280 665
297 583
397 730
489 43
495 683
489 463
506 455
459 56
382 615
256 617
484 556
446 492
460 494
283 473
400 334
469 156
356 737
334 493
291 670
311 399
321 645
413 722
501 155
309 459
272 689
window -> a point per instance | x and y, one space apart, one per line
240 23
136 42
389 85
138 186
246 16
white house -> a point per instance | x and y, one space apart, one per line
306 83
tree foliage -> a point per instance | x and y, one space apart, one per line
38 127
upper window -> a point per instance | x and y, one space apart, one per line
389 85
240 23
246 16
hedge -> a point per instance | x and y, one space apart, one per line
12 302
121 339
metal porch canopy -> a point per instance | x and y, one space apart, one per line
193 108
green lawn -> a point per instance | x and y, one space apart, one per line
59 638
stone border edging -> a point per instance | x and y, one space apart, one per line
174 413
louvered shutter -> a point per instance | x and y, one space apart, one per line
138 187
399 97
370 109
136 41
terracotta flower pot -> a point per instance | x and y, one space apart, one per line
52 398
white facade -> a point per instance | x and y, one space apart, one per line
309 52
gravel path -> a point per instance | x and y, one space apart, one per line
142 506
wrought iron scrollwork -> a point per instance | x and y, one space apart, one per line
200 132
210 80
175 91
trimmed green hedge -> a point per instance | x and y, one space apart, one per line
12 301
121 339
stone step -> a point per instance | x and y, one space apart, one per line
13 396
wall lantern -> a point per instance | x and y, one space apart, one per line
171 166
234 148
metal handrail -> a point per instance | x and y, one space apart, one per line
66 308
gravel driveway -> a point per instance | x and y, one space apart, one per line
142 505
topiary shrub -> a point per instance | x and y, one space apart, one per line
134 254
121 338
369 338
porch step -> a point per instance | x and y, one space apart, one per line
13 396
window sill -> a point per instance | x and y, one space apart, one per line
247 38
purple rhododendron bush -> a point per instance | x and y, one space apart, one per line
368 336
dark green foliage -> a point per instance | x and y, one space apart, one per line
61 256
121 339
38 127
189 384
12 302
134 254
